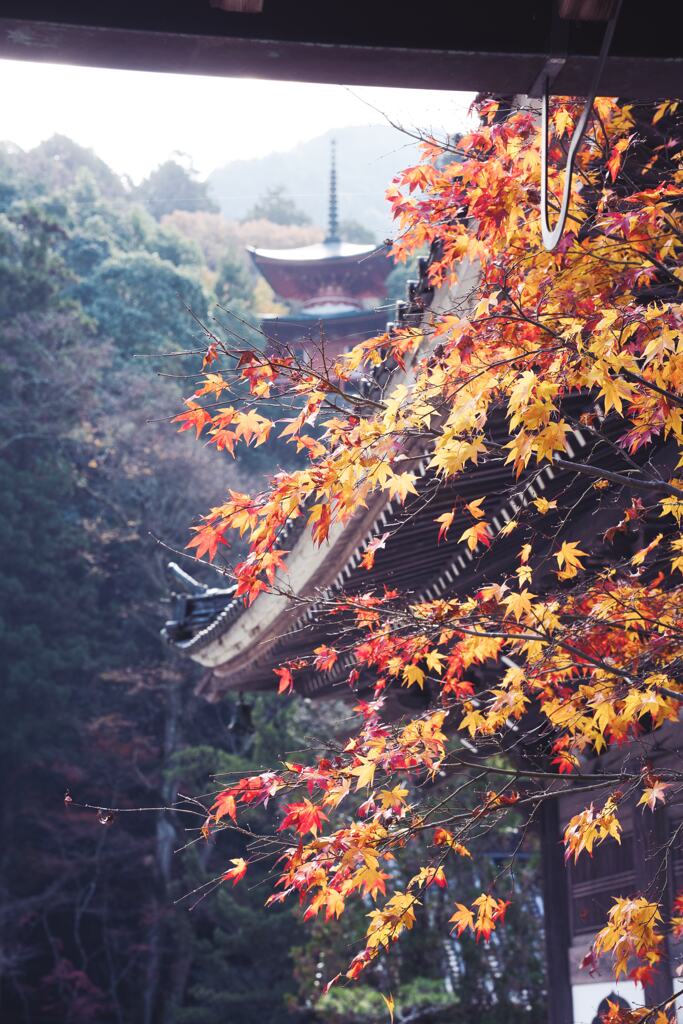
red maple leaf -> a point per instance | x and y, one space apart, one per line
303 817
236 872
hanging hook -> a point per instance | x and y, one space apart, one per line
551 236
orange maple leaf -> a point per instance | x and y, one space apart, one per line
286 684
224 804
303 817
206 540
325 657
446 520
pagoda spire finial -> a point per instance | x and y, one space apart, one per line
333 223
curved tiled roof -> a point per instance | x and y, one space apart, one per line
318 252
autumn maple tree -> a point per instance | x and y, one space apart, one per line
565 647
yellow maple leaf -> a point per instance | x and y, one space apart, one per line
414 674
250 424
524 574
393 798
462 919
550 440
489 910
518 604
590 828
400 485
472 720
614 392
435 661
334 903
641 555
389 1000
569 559
364 772
563 121
543 505
662 110
677 561
474 508
631 931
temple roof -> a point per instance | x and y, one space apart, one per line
206 615
328 330
332 270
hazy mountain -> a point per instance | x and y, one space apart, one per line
367 159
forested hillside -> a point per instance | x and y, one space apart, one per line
93 289
96 286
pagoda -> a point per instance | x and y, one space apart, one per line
333 289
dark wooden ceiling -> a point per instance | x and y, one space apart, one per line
495 47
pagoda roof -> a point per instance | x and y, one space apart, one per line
307 316
327 270
319 252
336 330
348 319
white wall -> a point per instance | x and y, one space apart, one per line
587 997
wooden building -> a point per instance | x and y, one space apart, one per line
648 860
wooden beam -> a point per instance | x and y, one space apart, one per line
586 10
351 41
240 6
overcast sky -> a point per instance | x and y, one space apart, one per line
135 120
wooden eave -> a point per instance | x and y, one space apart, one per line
321 327
502 49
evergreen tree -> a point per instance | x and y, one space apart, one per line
171 187
92 700
277 207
